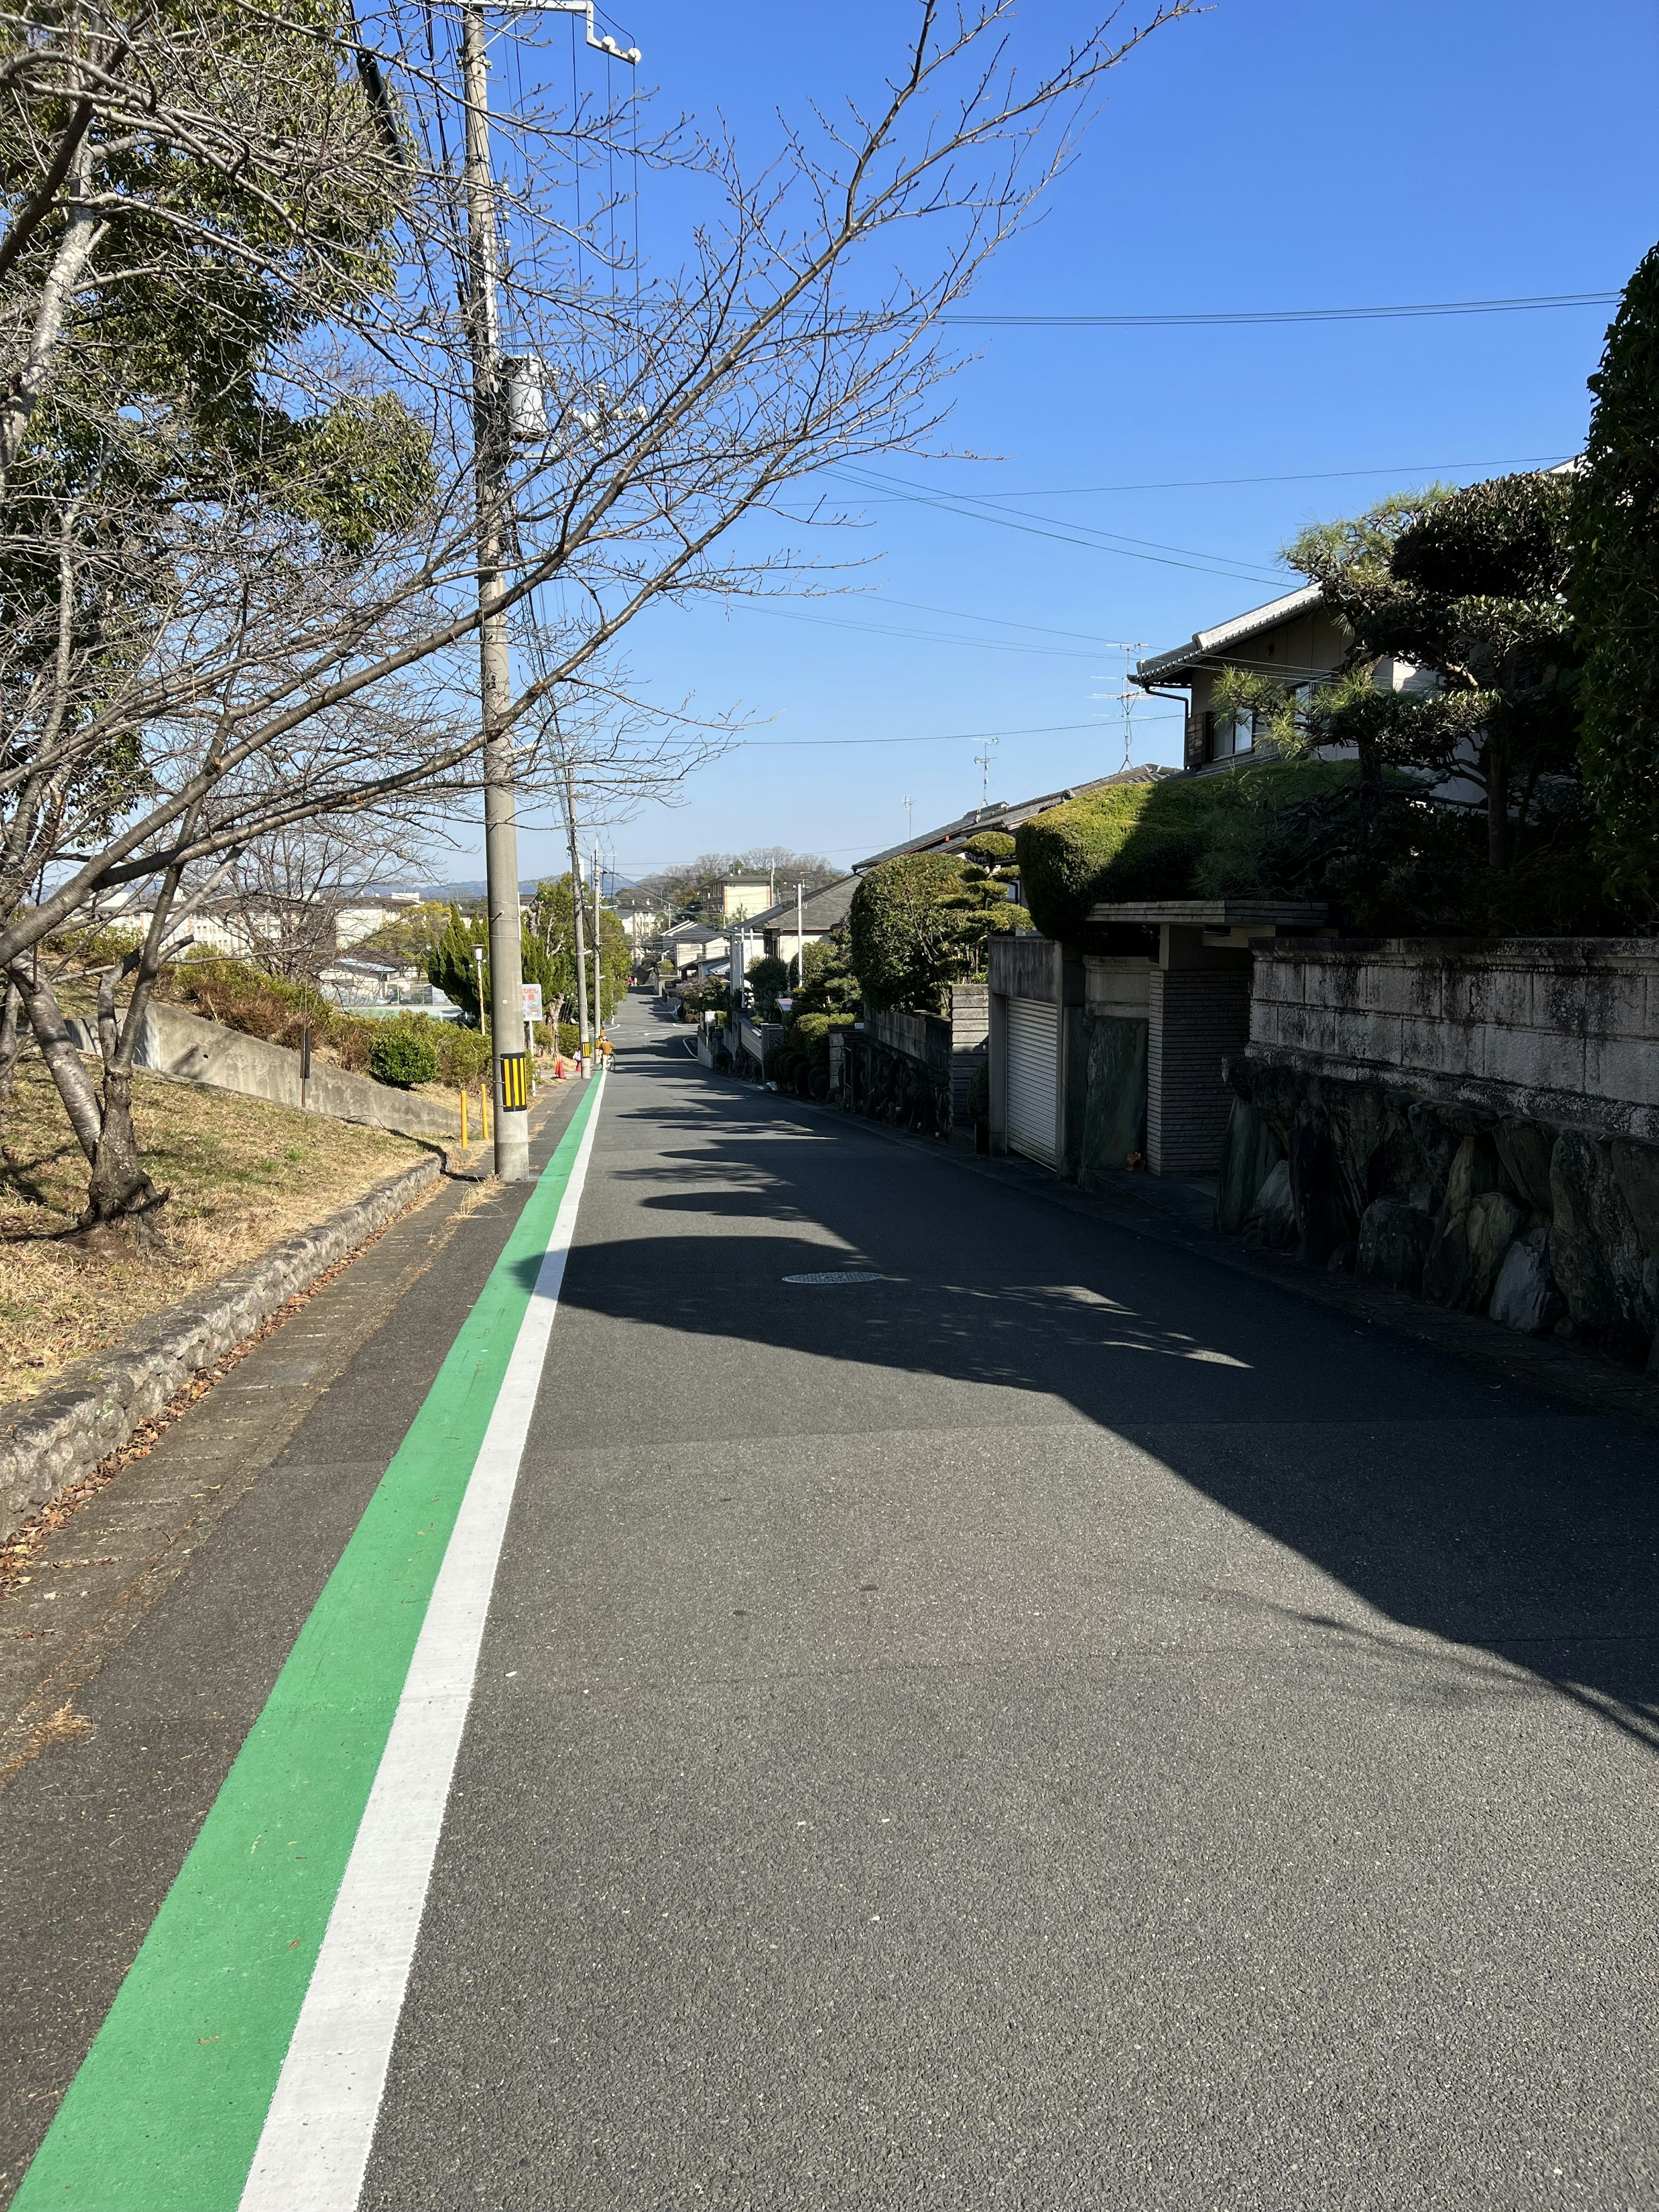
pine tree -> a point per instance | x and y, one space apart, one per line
1615 592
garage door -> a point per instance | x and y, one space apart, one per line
1033 1072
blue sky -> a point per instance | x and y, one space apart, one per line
1266 154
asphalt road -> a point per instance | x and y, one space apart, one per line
1058 1725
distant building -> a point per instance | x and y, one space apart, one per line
244 928
820 912
742 897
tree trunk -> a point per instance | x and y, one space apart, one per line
119 1189
11 1039
1497 803
1370 786
64 1061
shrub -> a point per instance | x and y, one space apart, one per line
1303 831
245 998
400 1055
462 1055
769 980
1615 590
905 931
1136 840
828 984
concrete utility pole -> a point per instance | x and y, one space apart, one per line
489 463
800 940
598 1000
583 1034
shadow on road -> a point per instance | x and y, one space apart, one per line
1477 1514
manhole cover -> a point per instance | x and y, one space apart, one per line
842 1277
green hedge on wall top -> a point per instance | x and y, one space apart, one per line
1136 840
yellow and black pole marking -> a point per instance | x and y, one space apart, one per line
515 1082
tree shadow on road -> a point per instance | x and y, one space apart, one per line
1478 1514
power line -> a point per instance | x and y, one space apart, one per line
1005 622
968 505
947 737
1210 483
934 636
1285 314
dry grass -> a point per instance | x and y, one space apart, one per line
244 1176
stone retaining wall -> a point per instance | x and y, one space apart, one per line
1476 1124
52 1439
1542 1228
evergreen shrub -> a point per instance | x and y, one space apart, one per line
1136 840
403 1056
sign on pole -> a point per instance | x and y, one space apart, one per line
532 1002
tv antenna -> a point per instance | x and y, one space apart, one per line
982 761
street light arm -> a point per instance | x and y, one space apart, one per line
606 45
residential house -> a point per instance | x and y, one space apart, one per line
1294 640
1110 1049
696 947
951 836
783 930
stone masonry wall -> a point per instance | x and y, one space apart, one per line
1476 1125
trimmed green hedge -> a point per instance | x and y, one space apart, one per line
1136 841
402 1057
905 930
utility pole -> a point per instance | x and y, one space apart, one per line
800 940
583 1031
489 463
599 1001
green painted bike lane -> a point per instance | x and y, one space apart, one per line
167 2109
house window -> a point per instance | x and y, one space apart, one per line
1230 733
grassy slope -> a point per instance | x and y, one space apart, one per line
244 1176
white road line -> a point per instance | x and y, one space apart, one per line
314 2147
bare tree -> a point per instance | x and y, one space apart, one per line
287 891
240 535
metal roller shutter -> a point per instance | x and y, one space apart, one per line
1033 1073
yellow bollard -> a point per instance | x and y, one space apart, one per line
462 1099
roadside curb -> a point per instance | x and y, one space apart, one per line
53 1438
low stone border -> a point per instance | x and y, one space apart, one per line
52 1439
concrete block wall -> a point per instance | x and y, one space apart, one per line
1562 1031
175 1042
1195 1017
970 1030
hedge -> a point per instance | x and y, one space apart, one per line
403 1057
905 930
1136 841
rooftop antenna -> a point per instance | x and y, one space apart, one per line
982 761
1130 694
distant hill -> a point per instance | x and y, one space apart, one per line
610 884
